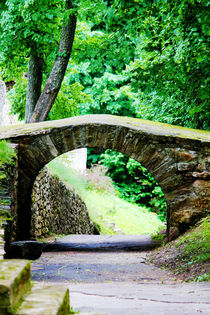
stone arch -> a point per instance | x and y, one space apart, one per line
175 156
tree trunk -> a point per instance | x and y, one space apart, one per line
55 79
34 84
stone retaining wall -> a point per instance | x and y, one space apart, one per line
57 209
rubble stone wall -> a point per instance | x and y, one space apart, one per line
57 208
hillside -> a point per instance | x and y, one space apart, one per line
110 214
188 257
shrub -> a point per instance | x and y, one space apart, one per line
132 180
97 179
6 156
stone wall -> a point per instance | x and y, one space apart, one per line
57 209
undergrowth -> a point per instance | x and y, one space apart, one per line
188 256
196 243
111 214
131 179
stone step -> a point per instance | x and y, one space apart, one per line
17 296
45 300
15 280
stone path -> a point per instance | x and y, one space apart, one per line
119 282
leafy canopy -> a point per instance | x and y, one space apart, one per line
147 59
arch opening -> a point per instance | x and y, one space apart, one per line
97 196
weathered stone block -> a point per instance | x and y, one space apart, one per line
185 166
202 184
49 300
201 175
186 156
14 282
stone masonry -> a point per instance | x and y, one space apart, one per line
57 209
177 157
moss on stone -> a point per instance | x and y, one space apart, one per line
46 300
14 282
153 127
64 308
167 129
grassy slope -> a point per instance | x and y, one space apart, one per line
106 209
188 256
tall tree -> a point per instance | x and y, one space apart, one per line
34 84
57 73
30 28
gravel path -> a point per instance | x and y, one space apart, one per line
119 282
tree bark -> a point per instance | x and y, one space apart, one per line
55 79
34 84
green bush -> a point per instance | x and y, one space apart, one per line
132 180
6 153
97 179
17 97
6 157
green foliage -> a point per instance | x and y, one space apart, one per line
6 157
97 179
17 96
203 277
187 256
112 214
98 60
26 25
193 248
110 96
6 153
133 182
170 70
67 103
147 59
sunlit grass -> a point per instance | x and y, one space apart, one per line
195 243
111 214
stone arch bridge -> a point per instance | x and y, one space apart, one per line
177 157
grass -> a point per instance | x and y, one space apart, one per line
189 255
195 243
111 214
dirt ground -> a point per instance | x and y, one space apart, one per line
171 258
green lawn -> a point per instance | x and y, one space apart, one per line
111 214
